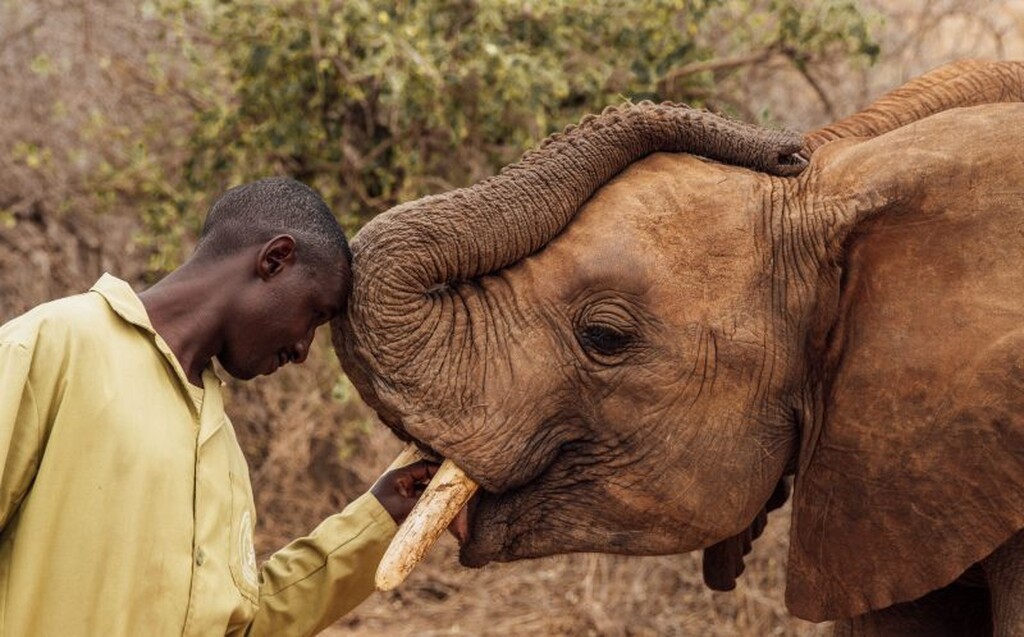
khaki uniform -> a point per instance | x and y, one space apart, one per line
125 502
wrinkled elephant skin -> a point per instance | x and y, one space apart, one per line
634 365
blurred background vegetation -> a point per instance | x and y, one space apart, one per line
121 121
374 102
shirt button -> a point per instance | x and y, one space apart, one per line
200 557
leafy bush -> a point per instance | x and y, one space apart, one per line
374 102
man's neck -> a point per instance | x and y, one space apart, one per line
188 315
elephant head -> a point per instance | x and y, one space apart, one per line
631 335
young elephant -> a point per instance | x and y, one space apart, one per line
628 349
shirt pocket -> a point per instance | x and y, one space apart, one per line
244 570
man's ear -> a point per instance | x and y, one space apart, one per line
275 255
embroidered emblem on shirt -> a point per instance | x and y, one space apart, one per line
246 549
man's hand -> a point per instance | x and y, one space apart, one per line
399 489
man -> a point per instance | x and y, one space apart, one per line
125 501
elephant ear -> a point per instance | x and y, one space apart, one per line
896 501
912 469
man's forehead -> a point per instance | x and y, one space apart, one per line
334 281
326 273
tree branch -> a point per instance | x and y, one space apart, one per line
720 64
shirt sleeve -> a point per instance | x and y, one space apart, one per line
313 581
21 436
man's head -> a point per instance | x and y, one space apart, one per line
294 271
256 212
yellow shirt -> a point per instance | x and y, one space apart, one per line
125 502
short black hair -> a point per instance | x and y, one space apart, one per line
258 211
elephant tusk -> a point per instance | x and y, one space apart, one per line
409 455
449 490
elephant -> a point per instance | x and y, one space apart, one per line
635 338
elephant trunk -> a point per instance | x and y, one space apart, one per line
964 83
415 267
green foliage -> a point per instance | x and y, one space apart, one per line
375 102
805 31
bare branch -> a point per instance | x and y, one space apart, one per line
720 64
830 110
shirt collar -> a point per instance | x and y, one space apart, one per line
126 303
123 300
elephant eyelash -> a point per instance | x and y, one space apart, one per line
604 340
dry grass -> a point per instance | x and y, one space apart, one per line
582 595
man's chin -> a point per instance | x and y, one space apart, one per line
243 373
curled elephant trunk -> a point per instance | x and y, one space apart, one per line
412 262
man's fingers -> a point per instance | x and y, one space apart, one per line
421 471
412 479
405 488
459 527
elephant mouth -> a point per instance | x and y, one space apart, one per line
484 521
492 521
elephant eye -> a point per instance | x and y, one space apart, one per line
604 340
